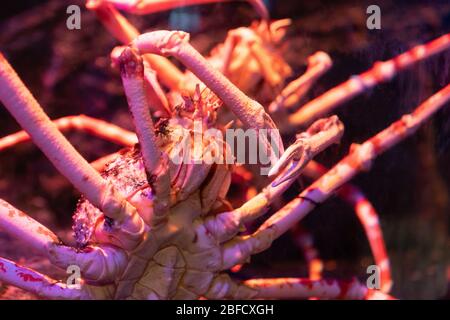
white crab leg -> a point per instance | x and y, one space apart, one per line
109 261
37 283
152 6
379 73
320 135
318 64
156 97
96 127
155 161
27 111
125 32
359 159
176 43
21 226
132 73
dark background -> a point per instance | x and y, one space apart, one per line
69 73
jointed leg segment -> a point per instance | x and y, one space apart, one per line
240 249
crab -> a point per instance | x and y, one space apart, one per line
162 229
152 226
251 57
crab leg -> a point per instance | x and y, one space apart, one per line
368 218
318 64
304 239
101 163
157 98
380 72
152 6
27 111
294 288
176 43
21 226
223 287
261 55
297 288
125 32
37 283
318 137
99 128
359 159
109 261
155 161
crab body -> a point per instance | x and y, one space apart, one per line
178 257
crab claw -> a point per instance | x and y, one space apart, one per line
319 136
296 153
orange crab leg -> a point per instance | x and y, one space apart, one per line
304 239
318 64
359 159
380 72
152 6
295 288
223 287
368 218
125 32
298 288
97 127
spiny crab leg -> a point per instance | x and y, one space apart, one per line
110 261
368 218
29 114
318 137
380 72
100 128
359 159
318 64
125 32
152 6
226 225
176 43
155 161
